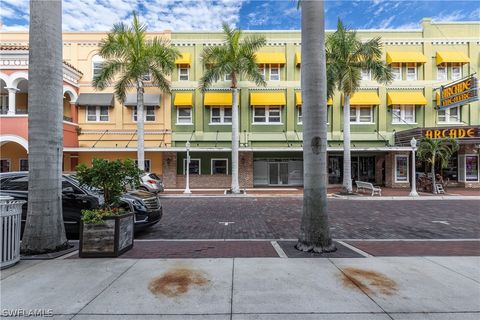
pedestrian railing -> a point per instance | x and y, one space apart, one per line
11 216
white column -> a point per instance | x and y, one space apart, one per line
12 92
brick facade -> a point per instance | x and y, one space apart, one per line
390 170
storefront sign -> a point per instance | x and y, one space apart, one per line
452 133
459 93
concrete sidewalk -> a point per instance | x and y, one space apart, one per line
416 288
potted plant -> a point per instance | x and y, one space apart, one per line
108 230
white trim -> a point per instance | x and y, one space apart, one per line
191 117
188 73
97 114
222 116
72 93
414 68
270 72
134 109
447 116
191 159
357 114
267 115
402 114
211 165
395 168
96 58
13 138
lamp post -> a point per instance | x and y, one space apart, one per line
187 184
413 193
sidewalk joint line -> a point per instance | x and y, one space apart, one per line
231 293
450 269
349 246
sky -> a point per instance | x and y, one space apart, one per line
187 15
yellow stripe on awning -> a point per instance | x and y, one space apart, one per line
270 58
267 99
218 99
184 59
183 99
298 58
451 57
298 99
405 57
364 98
416 98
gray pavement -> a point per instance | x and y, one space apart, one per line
406 288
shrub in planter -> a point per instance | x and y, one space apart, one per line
107 231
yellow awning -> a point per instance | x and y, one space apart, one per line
451 57
184 59
267 99
364 98
218 99
416 98
298 99
405 57
298 58
183 99
270 58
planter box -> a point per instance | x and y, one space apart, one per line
107 240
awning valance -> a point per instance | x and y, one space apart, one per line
270 58
405 57
267 99
451 57
218 99
415 97
95 99
149 99
298 58
364 98
298 99
184 99
184 59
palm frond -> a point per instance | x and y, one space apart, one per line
109 69
122 85
160 80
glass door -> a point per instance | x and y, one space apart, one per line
278 173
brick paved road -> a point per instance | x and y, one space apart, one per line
279 218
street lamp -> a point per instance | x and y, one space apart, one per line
413 144
187 184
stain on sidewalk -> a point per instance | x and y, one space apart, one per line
370 282
177 282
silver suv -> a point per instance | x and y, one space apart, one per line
151 182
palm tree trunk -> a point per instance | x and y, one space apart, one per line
314 229
235 185
347 157
140 127
434 189
44 229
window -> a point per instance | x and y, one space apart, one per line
451 115
97 63
97 113
219 166
401 168
228 77
184 115
403 114
441 73
23 164
412 71
300 119
274 72
456 72
471 168
266 115
148 113
361 114
397 72
366 74
221 115
194 167
261 67
4 103
183 73
4 165
146 164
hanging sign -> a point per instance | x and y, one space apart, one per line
459 93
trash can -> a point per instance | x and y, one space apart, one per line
11 215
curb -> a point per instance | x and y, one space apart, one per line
419 198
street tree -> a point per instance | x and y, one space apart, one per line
44 229
131 60
236 59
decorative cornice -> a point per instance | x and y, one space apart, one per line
123 132
405 88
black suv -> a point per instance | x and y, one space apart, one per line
75 198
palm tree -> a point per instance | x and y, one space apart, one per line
346 57
129 58
433 151
236 57
314 230
44 229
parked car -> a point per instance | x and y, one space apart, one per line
75 198
151 182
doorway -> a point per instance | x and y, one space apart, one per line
278 173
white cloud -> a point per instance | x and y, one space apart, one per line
386 23
456 15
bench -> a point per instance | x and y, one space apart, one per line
361 185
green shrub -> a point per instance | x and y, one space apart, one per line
97 216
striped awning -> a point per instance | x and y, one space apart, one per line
183 99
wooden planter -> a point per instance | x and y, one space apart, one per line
107 240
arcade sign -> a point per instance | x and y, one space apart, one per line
465 132
458 93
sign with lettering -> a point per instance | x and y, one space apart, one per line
458 93
453 133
